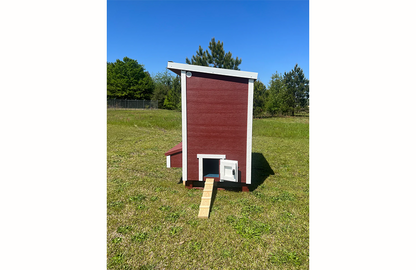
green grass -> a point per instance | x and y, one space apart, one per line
152 220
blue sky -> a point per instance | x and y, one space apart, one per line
268 36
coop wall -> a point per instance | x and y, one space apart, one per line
216 119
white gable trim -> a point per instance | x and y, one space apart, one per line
249 129
212 70
184 129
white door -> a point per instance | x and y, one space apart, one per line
229 170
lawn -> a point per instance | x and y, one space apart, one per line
152 219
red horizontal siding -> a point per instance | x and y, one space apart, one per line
176 160
216 119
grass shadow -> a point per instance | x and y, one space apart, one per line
260 170
214 195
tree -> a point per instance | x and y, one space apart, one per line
173 98
298 89
278 100
259 97
217 58
163 83
128 79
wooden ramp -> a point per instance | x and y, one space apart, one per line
206 198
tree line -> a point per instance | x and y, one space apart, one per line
286 94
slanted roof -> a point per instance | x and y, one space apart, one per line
176 149
177 67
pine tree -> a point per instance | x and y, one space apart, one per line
215 58
298 89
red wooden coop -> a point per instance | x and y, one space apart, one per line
217 117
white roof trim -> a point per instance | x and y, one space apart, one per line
212 70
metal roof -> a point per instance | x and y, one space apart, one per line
177 67
174 150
